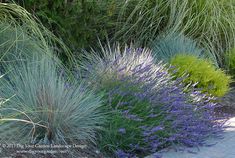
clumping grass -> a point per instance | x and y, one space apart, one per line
24 25
230 62
148 110
46 108
202 73
16 44
167 46
210 23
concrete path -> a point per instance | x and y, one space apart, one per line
225 148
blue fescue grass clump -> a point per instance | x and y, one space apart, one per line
168 45
16 44
42 109
148 110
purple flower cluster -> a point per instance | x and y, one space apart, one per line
187 116
122 130
122 154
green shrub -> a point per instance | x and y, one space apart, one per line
78 22
202 72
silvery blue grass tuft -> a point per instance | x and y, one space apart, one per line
167 45
42 109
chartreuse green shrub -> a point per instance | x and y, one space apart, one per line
201 71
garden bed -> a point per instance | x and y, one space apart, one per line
163 80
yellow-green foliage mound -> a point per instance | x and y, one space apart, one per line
209 79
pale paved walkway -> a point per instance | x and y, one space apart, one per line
225 148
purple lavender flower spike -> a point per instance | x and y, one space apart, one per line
157 128
122 130
122 154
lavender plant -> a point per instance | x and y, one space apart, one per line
42 109
148 110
